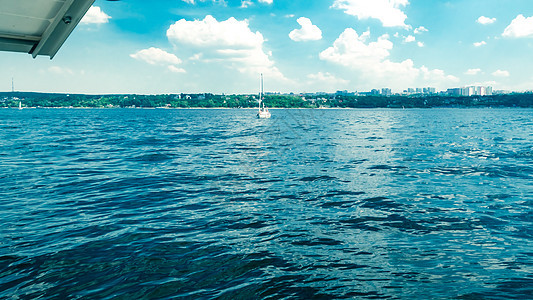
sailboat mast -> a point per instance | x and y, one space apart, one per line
262 92
263 111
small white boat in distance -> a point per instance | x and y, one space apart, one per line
20 104
263 112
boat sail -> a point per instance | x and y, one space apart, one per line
20 104
263 112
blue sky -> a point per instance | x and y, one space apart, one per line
194 46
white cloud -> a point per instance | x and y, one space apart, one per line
326 79
479 44
351 50
196 56
229 42
485 21
473 71
387 11
409 39
370 60
420 44
519 27
193 2
156 56
176 69
436 76
501 73
246 3
229 34
95 15
308 32
421 29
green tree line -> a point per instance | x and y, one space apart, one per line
249 101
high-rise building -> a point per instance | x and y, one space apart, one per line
467 91
386 92
454 92
429 90
471 91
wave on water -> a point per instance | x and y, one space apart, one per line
197 204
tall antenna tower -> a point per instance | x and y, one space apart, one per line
12 85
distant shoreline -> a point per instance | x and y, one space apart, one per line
273 109
211 101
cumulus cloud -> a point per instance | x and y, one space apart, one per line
230 42
485 21
371 61
389 12
248 3
412 39
229 34
409 39
520 27
176 69
156 56
308 32
501 73
420 30
436 76
95 15
351 49
479 44
473 71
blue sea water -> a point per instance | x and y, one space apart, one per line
310 204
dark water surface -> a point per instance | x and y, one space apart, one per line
169 204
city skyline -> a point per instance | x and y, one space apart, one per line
455 91
472 90
222 47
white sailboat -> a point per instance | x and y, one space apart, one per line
263 112
20 104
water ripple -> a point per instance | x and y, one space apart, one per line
326 204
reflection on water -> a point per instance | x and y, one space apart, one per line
308 204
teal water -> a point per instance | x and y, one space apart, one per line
197 204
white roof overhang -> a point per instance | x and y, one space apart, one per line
39 27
